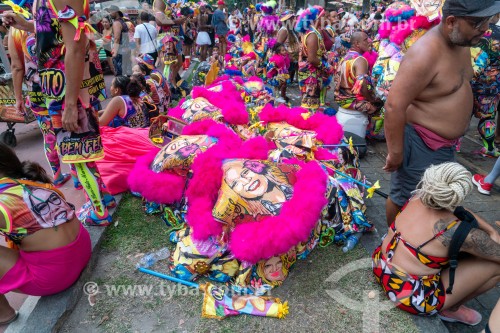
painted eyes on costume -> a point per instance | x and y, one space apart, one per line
243 174
43 208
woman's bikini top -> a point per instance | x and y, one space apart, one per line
429 261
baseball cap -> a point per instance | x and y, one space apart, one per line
473 8
112 9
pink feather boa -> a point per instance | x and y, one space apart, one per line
276 235
204 187
146 182
230 102
371 57
397 32
329 130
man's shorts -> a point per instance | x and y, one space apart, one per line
417 157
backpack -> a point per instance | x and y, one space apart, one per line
468 222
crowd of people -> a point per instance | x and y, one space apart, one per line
450 72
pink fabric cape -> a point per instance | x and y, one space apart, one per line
122 147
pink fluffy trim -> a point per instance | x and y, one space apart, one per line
203 188
328 129
146 182
323 154
397 32
371 57
276 235
229 101
163 187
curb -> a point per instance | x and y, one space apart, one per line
47 314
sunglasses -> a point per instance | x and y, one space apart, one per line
477 22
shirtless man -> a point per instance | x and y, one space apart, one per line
430 103
354 71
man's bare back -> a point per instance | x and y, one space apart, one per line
444 105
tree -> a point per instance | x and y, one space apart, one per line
366 6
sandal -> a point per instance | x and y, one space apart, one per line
11 320
463 315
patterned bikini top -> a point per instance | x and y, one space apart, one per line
429 261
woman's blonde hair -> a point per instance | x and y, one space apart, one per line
444 186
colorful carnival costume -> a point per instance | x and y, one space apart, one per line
349 96
420 295
29 207
403 27
265 35
158 85
82 147
25 46
486 87
278 73
313 80
234 173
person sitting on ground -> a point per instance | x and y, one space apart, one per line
51 246
158 85
485 183
413 262
354 88
127 107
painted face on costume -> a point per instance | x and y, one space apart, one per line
429 8
49 208
244 182
495 46
340 155
273 269
199 108
183 142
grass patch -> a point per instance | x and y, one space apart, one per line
135 231
312 309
